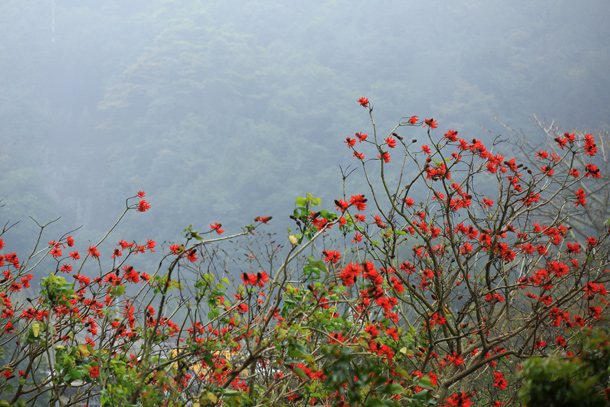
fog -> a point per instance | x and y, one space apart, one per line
226 110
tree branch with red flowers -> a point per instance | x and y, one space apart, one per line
430 284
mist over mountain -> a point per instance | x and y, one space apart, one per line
225 110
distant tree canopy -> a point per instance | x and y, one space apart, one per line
101 98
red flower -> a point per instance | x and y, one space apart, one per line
591 241
124 245
143 206
413 119
262 278
9 328
350 142
217 227
455 359
500 381
131 275
425 149
431 123
255 279
390 141
580 197
451 135
25 280
561 142
192 255
548 171
55 252
386 157
141 194
539 344
93 252
359 155
94 372
263 219
341 205
361 137
591 170
150 244
590 147
359 201
459 400
15 287
70 241
331 256
379 223
75 255
364 102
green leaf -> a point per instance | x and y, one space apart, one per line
281 334
35 329
327 215
84 350
211 396
426 382
300 372
393 388
8 387
231 392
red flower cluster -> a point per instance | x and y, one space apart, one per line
217 227
93 252
580 198
499 381
331 256
143 206
263 219
255 279
364 102
459 400
431 123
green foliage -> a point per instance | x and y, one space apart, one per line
309 216
559 381
364 382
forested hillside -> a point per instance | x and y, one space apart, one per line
221 110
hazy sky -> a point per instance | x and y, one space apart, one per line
225 110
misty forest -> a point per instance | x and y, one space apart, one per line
224 110
224 113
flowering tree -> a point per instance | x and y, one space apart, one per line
592 219
431 286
